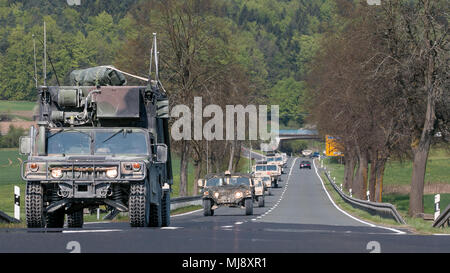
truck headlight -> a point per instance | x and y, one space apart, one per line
238 194
34 167
112 173
57 173
216 195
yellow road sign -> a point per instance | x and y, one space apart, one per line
332 146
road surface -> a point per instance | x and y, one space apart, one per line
298 217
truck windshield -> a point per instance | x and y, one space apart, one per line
279 159
72 142
271 167
120 142
240 181
216 181
260 168
270 159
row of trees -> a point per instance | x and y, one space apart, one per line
380 84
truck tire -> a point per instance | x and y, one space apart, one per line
156 215
248 206
207 211
261 201
34 206
166 209
55 219
138 206
75 219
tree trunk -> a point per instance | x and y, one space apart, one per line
373 175
184 167
418 177
198 170
238 155
379 181
230 162
360 183
349 171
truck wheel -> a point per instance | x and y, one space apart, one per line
261 201
156 215
166 209
138 207
207 211
75 219
34 209
248 206
55 219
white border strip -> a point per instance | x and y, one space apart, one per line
344 212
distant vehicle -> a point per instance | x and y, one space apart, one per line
226 189
306 152
274 171
276 160
259 188
305 164
314 155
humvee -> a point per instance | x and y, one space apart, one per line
266 181
259 189
98 145
274 171
276 160
226 189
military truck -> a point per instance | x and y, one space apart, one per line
276 160
273 170
227 189
260 189
266 182
98 143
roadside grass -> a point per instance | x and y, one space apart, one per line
6 105
397 173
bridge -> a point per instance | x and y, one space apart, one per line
289 134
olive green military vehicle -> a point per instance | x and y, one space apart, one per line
98 143
226 189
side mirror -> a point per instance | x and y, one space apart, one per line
200 183
161 153
25 145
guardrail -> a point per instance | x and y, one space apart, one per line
384 210
5 218
443 219
179 202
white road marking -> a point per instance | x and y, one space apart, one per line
186 213
344 212
171 227
91 231
238 223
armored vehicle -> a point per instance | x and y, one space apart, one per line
266 182
226 189
276 160
98 143
259 188
274 171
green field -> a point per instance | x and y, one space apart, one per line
6 105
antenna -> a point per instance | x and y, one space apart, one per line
150 65
156 57
45 56
35 69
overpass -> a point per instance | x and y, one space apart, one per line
289 134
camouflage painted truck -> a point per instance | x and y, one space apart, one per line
227 189
97 143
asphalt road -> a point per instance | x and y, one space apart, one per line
298 217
